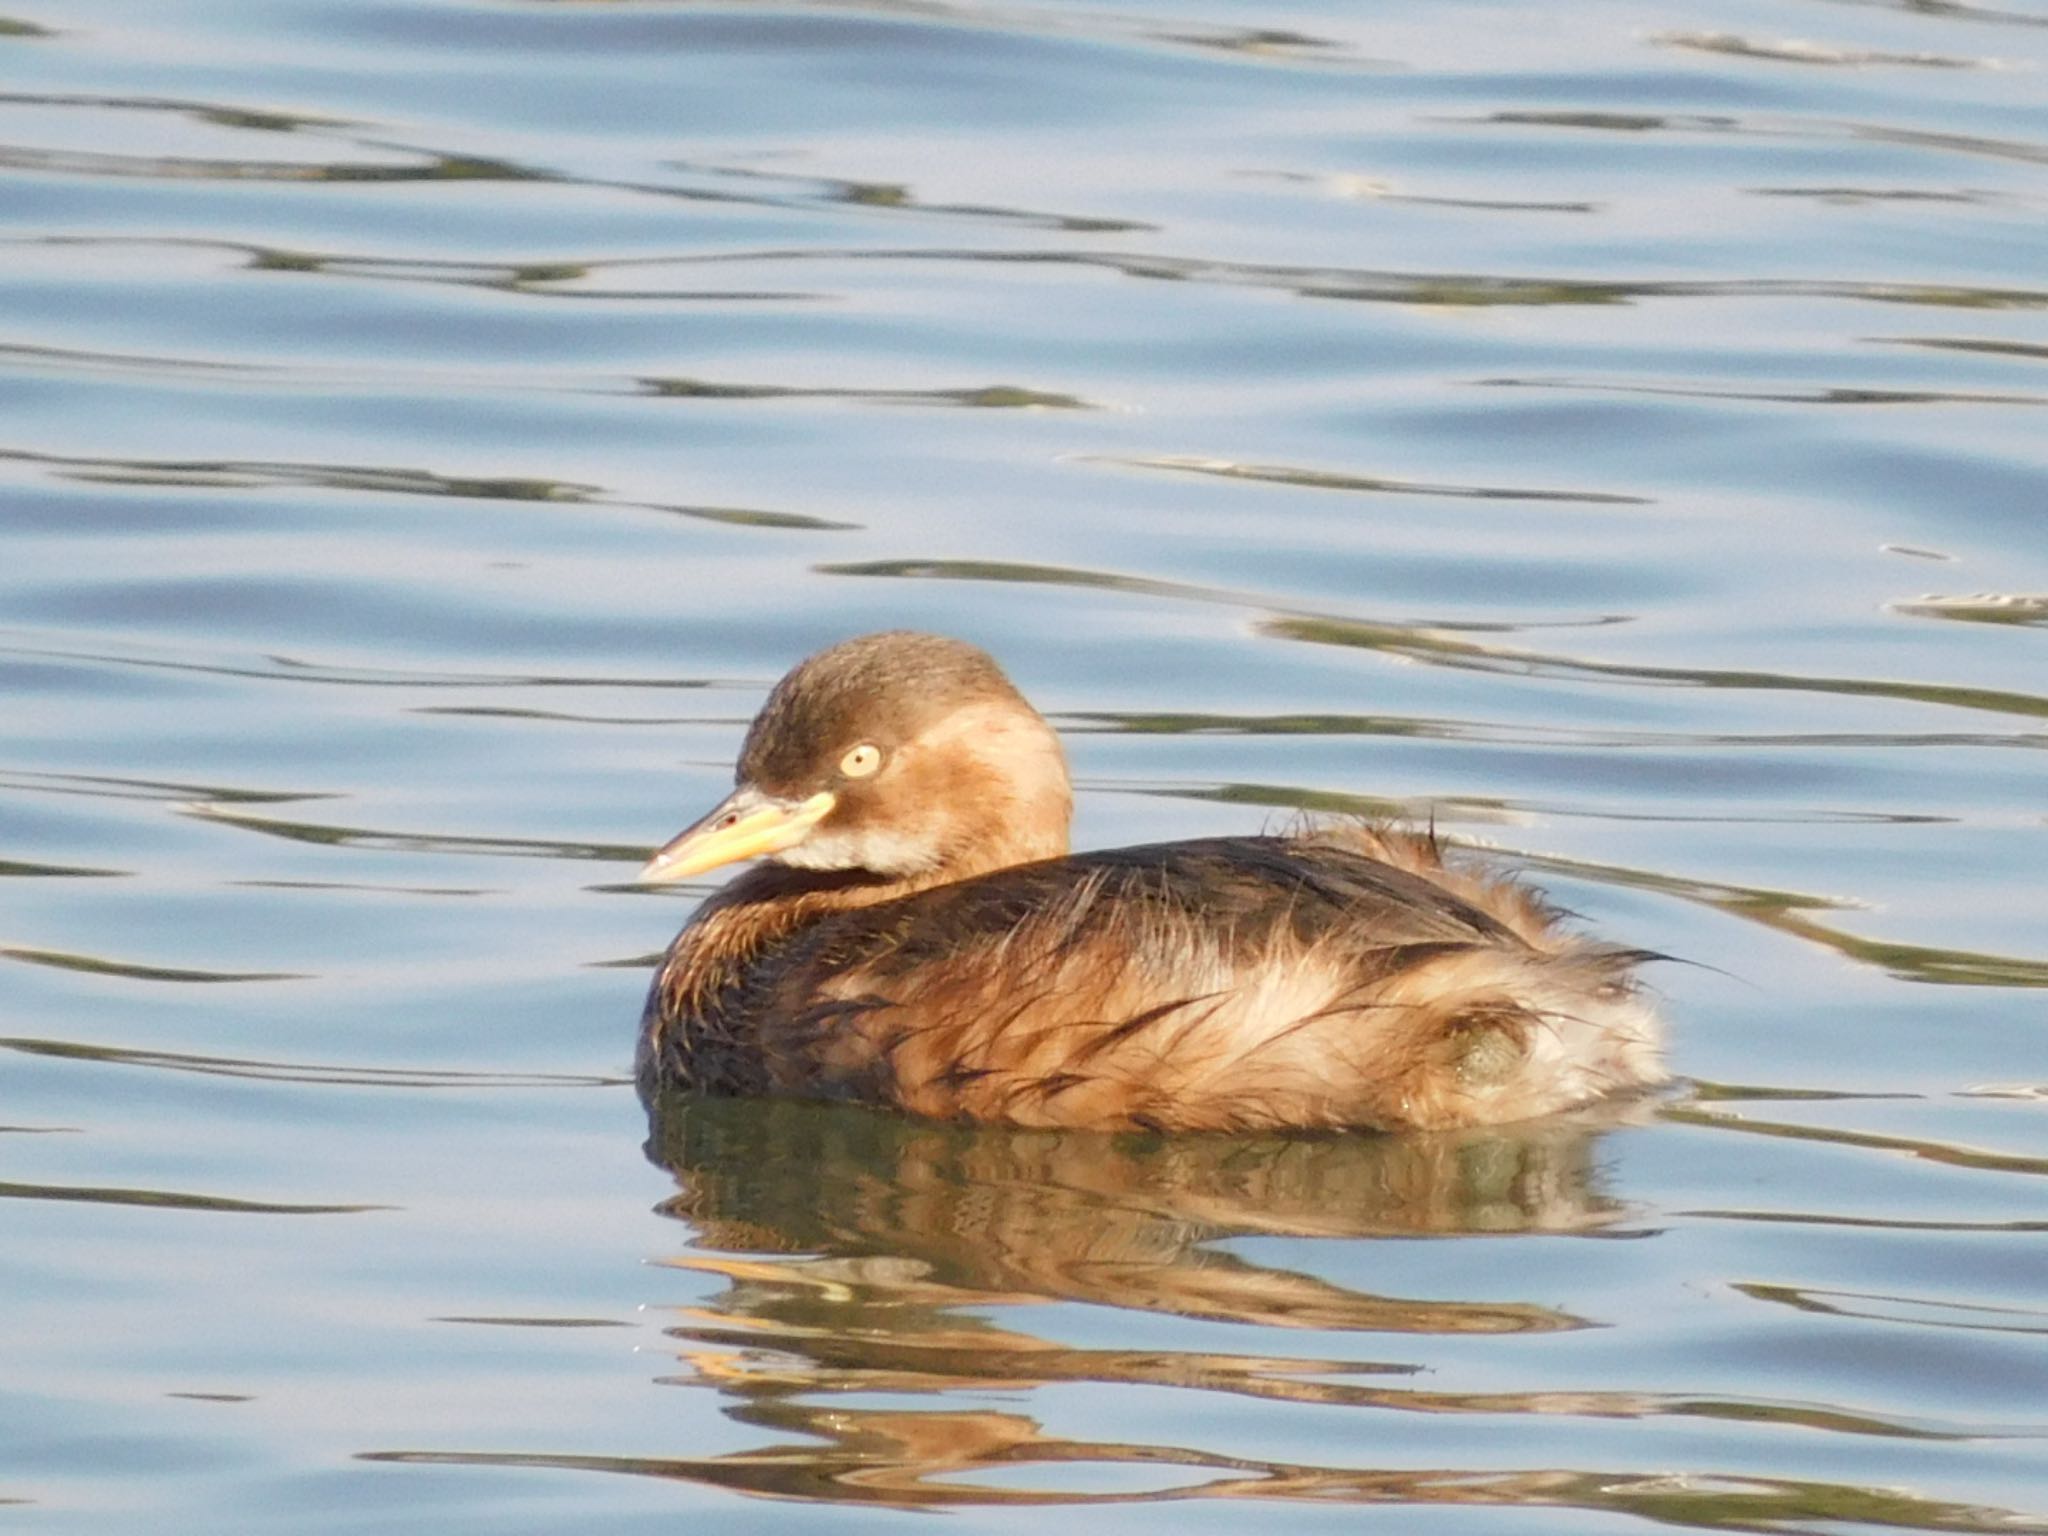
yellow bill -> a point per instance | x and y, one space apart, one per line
747 824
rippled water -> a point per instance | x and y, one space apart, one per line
1612 431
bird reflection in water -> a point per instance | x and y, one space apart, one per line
865 1252
868 1261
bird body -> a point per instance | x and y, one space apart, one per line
924 940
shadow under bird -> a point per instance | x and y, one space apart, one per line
918 934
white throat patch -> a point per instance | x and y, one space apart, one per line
885 853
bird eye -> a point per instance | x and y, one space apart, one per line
861 761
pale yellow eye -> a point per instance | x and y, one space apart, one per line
861 761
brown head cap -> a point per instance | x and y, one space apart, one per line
885 688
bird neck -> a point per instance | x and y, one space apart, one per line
779 898
771 903
1008 782
693 1021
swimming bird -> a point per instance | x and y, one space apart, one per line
918 935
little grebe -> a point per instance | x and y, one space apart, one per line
919 936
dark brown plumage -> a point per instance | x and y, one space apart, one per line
920 937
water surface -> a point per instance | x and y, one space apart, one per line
1612 433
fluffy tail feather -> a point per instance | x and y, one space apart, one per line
1485 1034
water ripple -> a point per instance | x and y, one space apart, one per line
2017 150
1981 607
322 1074
1790 913
236 474
1518 734
333 835
293 669
102 965
1795 51
873 1459
795 190
1944 1153
1914 1311
1330 480
1442 644
17 869
445 363
1419 645
1350 284
1821 395
173 1200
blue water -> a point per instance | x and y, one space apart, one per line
1614 433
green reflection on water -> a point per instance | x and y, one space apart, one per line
330 835
1786 911
100 965
1428 645
238 474
1942 1152
165 1199
1799 52
1981 608
985 397
17 869
327 1074
1919 1311
1443 644
1331 480
1980 344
